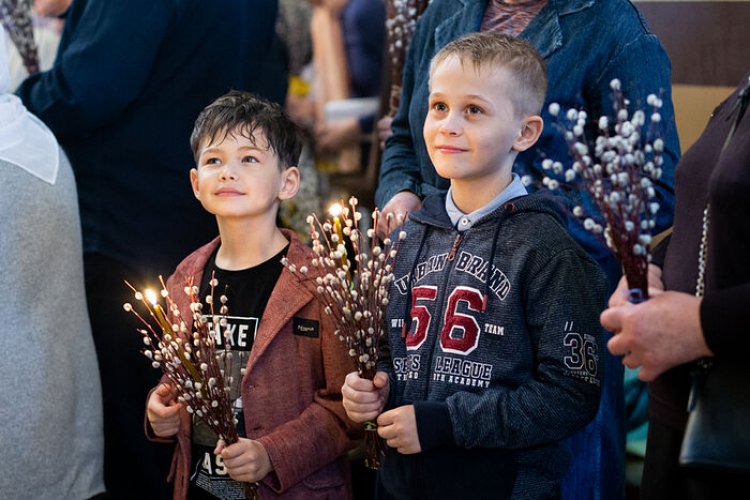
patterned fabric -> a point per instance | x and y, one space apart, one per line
293 28
15 15
510 18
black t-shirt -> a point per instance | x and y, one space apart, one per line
247 294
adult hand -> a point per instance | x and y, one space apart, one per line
399 429
658 334
384 130
163 411
402 204
51 8
301 109
335 6
621 295
335 135
364 399
246 460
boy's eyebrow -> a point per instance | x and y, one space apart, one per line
438 95
212 149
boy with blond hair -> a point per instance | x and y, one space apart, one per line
493 345
287 364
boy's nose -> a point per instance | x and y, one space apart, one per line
228 172
451 125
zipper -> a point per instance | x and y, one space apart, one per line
454 248
436 338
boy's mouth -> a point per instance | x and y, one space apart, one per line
228 192
449 149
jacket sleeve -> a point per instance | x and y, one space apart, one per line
399 169
106 56
563 300
322 432
724 318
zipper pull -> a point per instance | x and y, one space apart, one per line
454 248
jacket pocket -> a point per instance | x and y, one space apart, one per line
330 476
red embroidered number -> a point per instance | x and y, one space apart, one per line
421 315
460 333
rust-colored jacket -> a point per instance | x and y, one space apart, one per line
291 390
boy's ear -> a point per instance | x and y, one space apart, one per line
290 179
194 182
531 129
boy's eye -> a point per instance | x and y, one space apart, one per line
211 161
250 159
439 107
474 110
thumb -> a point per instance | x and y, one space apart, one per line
164 390
220 445
380 380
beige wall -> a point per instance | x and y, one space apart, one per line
693 106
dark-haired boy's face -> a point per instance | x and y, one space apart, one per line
239 178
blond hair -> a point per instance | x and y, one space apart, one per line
526 67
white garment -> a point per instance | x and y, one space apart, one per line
47 40
24 140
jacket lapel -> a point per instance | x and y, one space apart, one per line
287 298
544 31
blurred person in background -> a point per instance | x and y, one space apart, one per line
121 97
50 398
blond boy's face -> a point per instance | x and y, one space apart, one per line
471 126
236 179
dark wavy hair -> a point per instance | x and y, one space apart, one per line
244 113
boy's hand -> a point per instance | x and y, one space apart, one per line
163 411
399 429
364 399
621 295
246 460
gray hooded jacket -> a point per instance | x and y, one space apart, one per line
501 362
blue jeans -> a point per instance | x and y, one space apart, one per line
597 469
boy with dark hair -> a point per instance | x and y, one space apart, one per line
493 343
287 365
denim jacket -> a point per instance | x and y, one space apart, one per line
586 43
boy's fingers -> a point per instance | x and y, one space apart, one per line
351 378
166 411
380 380
231 451
220 445
163 390
385 419
357 383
